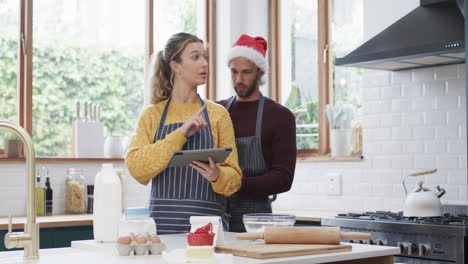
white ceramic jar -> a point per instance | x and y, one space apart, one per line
113 147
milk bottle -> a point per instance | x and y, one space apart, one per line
107 208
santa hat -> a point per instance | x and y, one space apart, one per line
253 49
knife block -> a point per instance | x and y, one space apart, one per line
88 139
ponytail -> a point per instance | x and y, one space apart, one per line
160 78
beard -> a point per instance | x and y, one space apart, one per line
250 88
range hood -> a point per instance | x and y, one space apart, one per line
430 35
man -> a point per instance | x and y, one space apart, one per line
265 133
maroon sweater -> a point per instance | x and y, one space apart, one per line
278 145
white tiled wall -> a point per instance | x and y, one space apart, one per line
412 120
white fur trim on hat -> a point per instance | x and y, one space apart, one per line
252 55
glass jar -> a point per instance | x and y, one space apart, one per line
136 220
75 192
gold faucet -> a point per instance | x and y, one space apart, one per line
29 239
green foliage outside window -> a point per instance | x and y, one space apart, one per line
66 74
306 113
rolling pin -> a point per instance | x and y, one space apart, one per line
303 235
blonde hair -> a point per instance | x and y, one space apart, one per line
161 77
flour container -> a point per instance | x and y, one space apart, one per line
136 220
107 209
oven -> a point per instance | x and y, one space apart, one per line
428 240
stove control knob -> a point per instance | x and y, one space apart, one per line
404 247
351 241
424 249
381 242
372 242
412 249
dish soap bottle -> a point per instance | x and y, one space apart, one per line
107 208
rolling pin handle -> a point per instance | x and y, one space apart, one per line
250 236
355 236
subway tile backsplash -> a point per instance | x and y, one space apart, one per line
413 120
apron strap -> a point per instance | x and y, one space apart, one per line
207 117
258 128
258 125
164 114
231 100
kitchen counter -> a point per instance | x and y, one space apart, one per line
50 221
90 252
87 219
310 215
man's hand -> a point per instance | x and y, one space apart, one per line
208 171
194 123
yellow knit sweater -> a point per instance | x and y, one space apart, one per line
145 159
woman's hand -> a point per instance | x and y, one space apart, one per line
194 123
208 171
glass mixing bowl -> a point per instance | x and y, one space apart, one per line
257 222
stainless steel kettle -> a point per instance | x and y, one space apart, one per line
422 202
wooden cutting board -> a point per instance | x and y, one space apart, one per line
265 251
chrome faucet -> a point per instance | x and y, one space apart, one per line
29 239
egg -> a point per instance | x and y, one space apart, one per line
126 240
155 239
140 239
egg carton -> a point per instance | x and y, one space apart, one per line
141 249
139 245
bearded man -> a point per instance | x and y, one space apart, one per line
265 134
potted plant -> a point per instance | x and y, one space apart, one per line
340 117
13 146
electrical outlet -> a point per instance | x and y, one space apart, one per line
333 183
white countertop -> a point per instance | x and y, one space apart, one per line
87 219
90 252
50 221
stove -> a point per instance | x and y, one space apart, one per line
434 240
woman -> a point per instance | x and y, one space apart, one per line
178 119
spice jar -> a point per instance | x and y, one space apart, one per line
75 192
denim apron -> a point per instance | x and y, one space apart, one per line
180 192
252 163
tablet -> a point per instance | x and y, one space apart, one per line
185 157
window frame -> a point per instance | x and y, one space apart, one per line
325 91
25 64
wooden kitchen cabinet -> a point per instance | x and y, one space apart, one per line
56 237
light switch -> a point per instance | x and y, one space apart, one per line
333 183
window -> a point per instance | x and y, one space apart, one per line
83 51
302 53
9 26
299 77
348 33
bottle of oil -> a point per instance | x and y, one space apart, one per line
40 195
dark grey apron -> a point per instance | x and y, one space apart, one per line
252 163
180 192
